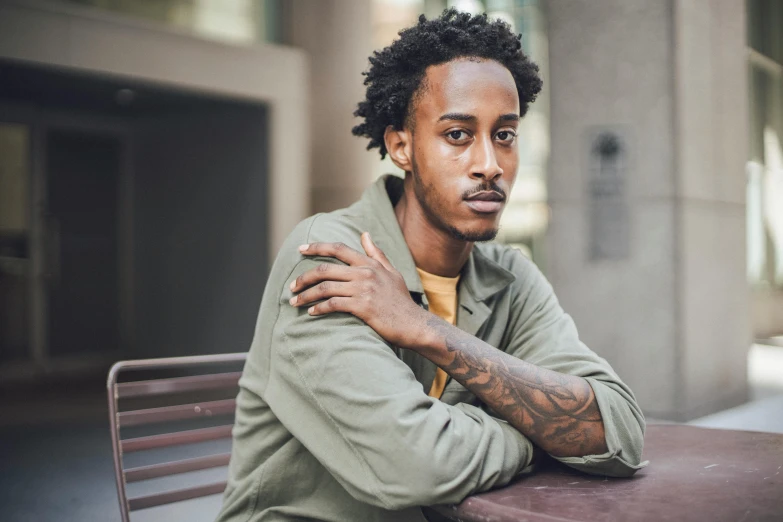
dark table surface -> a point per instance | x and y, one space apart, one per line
694 474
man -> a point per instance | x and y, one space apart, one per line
398 363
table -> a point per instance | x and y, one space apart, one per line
694 474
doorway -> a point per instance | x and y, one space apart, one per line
64 241
146 228
83 171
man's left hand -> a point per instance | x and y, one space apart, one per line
370 288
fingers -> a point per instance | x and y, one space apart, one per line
335 304
339 251
323 272
339 288
374 252
324 290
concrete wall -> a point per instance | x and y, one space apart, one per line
90 41
611 65
200 230
337 36
710 135
669 77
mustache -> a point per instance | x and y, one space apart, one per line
489 186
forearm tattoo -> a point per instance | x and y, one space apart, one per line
558 412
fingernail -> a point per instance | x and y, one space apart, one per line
311 310
292 285
292 300
303 248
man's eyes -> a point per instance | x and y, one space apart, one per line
461 136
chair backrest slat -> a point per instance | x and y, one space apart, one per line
175 439
178 495
174 468
177 385
178 412
180 389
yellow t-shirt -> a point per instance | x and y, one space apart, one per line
442 296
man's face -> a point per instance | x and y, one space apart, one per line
464 150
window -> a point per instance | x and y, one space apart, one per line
765 164
237 21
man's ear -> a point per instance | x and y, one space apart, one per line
399 146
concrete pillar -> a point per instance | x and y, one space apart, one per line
337 36
646 248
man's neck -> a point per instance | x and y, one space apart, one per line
434 250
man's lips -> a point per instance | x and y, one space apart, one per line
486 202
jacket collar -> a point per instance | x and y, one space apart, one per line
482 277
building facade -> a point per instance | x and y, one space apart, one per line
649 189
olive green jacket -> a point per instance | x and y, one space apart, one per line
334 424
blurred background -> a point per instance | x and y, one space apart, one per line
155 153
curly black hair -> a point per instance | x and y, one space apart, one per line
396 72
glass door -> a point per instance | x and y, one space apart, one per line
15 244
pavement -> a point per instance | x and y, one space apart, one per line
765 410
56 461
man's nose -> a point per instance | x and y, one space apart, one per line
485 162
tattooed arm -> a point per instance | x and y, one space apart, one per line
557 411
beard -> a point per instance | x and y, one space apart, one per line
427 198
474 236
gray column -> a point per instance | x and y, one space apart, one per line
646 247
337 35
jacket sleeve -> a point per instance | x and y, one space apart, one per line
544 335
341 390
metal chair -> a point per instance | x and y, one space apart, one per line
166 388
